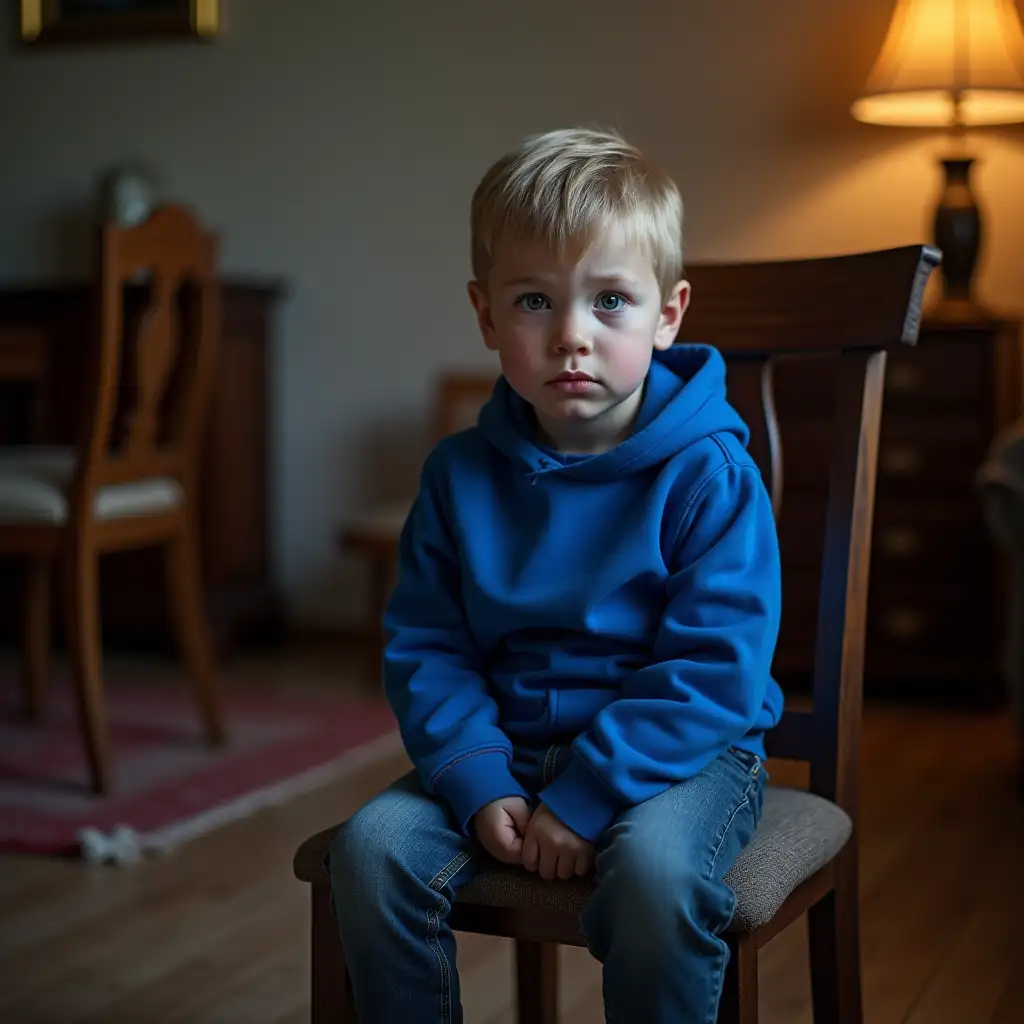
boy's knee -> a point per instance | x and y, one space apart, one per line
361 857
659 886
340 854
648 901
361 848
388 840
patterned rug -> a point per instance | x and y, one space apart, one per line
171 786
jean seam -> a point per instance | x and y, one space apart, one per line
437 883
721 965
548 770
452 868
744 800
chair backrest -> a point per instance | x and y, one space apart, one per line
460 396
158 329
852 308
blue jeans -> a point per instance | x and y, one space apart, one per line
654 921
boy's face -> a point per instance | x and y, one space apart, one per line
575 339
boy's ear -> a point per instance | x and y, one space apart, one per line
672 313
478 297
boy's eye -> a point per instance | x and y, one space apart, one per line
532 301
610 302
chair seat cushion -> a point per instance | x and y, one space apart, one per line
798 834
35 481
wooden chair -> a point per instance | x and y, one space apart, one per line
374 534
803 857
131 480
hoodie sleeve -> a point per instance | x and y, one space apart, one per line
712 661
432 669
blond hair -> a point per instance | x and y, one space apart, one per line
564 187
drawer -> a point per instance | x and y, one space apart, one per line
914 454
936 374
934 539
937 453
946 621
940 540
939 375
904 620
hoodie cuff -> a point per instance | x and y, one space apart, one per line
475 782
580 800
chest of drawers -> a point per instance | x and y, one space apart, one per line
935 608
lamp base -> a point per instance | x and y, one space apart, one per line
958 233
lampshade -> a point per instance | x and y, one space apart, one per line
948 62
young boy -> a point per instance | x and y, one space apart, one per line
580 640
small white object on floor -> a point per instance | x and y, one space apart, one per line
122 846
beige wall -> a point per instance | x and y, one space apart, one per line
337 144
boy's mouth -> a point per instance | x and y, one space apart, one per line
573 375
573 382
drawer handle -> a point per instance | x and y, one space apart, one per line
901 460
904 623
903 378
900 541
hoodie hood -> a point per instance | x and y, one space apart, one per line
684 402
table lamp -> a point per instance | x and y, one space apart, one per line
953 64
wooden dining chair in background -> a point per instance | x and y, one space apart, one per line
373 534
131 481
803 856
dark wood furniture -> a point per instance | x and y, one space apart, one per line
755 313
935 610
236 497
131 480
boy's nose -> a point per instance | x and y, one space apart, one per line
571 340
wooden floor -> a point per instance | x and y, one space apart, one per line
218 931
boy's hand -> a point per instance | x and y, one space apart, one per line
501 826
554 849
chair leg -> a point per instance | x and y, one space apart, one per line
36 638
834 926
739 993
332 1001
537 982
83 630
186 602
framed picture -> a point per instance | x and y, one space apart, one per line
70 21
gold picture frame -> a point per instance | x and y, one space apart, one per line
72 21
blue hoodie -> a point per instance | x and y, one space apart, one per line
626 602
